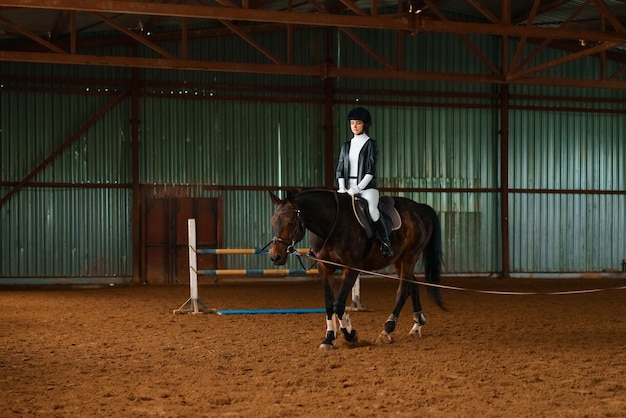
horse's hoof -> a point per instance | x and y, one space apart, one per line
349 336
390 327
327 347
354 341
385 337
416 331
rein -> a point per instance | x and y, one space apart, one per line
330 233
356 214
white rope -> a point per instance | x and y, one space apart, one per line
464 289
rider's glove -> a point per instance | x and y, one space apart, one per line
354 190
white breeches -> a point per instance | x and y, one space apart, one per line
372 196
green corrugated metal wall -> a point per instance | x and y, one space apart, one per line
196 128
82 229
578 152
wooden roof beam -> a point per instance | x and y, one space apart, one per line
470 45
542 9
139 38
28 34
606 13
560 61
251 41
522 43
393 22
321 71
544 44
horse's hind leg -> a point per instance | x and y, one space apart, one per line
418 316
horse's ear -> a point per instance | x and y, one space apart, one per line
275 199
290 196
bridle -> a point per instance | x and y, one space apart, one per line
296 235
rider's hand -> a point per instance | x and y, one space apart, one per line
342 191
354 190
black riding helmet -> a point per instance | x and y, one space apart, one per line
360 113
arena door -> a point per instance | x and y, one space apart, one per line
165 253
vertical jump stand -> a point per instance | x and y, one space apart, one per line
356 305
193 305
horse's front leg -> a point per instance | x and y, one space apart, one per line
349 278
329 304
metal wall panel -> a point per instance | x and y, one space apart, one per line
37 124
80 231
231 143
560 233
577 227
66 233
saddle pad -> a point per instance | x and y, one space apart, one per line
386 205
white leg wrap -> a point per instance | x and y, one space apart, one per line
330 324
345 323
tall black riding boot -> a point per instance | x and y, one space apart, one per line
384 237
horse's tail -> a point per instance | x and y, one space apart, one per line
433 259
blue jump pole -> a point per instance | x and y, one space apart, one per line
269 311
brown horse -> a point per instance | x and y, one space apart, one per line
338 237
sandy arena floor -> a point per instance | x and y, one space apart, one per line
121 352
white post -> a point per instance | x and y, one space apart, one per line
356 296
191 306
193 260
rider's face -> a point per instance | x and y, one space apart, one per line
357 126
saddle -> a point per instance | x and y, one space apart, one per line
388 213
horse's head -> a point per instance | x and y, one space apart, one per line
287 226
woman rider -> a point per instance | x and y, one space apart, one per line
356 170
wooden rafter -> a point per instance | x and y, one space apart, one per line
356 9
470 45
251 41
544 44
560 61
360 42
59 24
28 34
484 11
397 22
522 43
137 37
606 14
345 15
